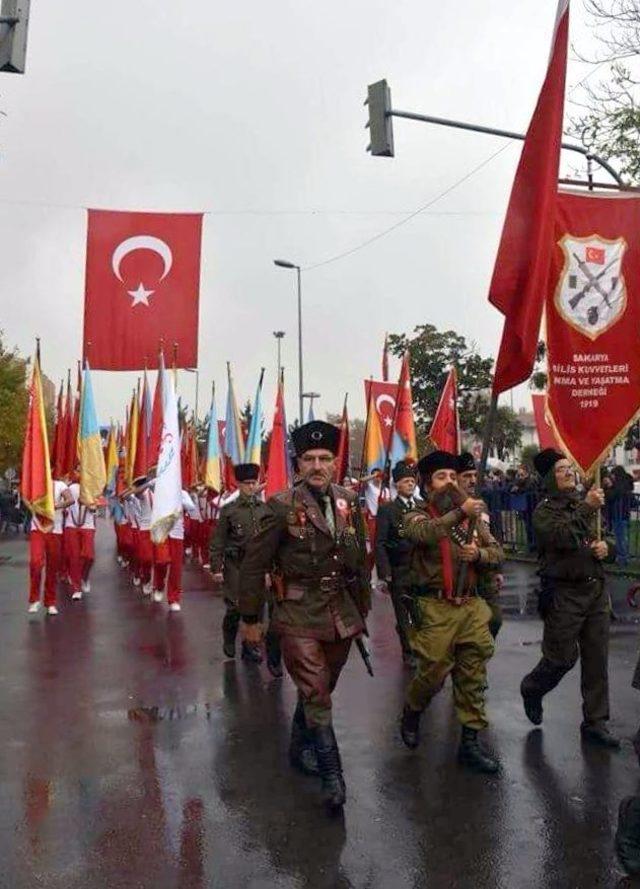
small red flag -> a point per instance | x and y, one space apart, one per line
546 438
521 270
445 429
36 488
342 457
142 286
277 465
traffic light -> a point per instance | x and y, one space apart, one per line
380 122
14 22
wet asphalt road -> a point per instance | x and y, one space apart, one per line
133 755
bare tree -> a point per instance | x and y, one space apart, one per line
608 121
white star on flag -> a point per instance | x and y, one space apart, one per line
140 295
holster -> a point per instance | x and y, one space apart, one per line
545 596
412 609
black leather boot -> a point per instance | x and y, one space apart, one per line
532 705
334 792
597 733
410 727
471 754
628 835
274 656
302 753
251 653
542 679
229 632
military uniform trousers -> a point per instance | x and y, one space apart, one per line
400 586
576 625
315 666
452 639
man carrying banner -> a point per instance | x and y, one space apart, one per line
45 551
490 581
393 550
573 601
312 541
451 625
239 521
79 542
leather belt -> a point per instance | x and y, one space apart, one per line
424 592
328 584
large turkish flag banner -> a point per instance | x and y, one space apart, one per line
385 397
593 323
142 287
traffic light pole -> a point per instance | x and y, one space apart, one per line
380 127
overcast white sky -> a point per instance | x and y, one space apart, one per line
254 111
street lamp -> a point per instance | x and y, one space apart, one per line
311 396
284 264
279 334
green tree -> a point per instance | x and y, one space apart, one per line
507 428
13 407
527 456
432 353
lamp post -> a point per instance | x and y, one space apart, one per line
279 334
284 264
311 396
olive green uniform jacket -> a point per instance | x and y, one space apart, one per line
239 521
324 585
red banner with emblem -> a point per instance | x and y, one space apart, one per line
142 286
385 397
593 323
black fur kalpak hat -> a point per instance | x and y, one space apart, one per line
403 470
246 472
437 460
466 463
316 434
546 460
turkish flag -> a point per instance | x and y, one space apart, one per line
445 428
142 286
546 438
385 396
522 264
593 324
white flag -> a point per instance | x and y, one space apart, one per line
167 500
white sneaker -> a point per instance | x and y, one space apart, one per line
206 566
158 596
175 606
136 581
147 589
52 610
77 595
187 551
33 608
125 564
120 561
86 586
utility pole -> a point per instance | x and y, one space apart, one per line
279 334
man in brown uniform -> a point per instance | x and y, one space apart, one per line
239 521
452 626
313 543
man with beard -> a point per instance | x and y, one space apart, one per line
490 581
573 601
451 624
313 543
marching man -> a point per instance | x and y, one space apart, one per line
45 552
79 542
140 504
169 556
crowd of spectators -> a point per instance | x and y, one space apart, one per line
513 494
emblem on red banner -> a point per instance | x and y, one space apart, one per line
591 301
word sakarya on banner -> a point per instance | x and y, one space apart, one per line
593 323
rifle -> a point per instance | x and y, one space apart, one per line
361 645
